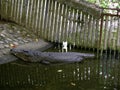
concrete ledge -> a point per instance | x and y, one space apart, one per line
39 45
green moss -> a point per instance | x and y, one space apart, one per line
85 7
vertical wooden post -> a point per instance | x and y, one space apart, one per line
89 38
97 36
80 23
82 28
50 20
74 27
66 23
7 10
10 9
106 32
47 14
30 13
43 18
18 11
69 26
70 16
63 23
37 18
55 22
110 33
15 13
0 9
77 28
101 28
21 12
14 10
118 35
27 13
93 33
85 31
114 33
58 22
33 15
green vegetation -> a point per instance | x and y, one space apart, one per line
106 3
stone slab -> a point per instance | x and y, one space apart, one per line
39 45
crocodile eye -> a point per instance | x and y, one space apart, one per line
25 51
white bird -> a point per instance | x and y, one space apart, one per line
64 46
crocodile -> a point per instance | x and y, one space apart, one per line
49 57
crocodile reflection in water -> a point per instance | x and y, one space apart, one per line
49 57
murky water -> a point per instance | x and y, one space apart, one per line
91 74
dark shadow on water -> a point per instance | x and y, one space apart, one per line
90 74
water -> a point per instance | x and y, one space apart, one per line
90 74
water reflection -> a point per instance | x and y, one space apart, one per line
91 74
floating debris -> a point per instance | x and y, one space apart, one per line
73 84
59 70
36 40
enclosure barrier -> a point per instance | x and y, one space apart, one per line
80 23
110 30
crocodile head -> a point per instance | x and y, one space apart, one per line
20 53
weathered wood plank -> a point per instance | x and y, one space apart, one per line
21 12
93 33
37 18
52 21
57 26
30 14
43 18
118 34
55 22
63 24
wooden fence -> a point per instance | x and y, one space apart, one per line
110 30
61 20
